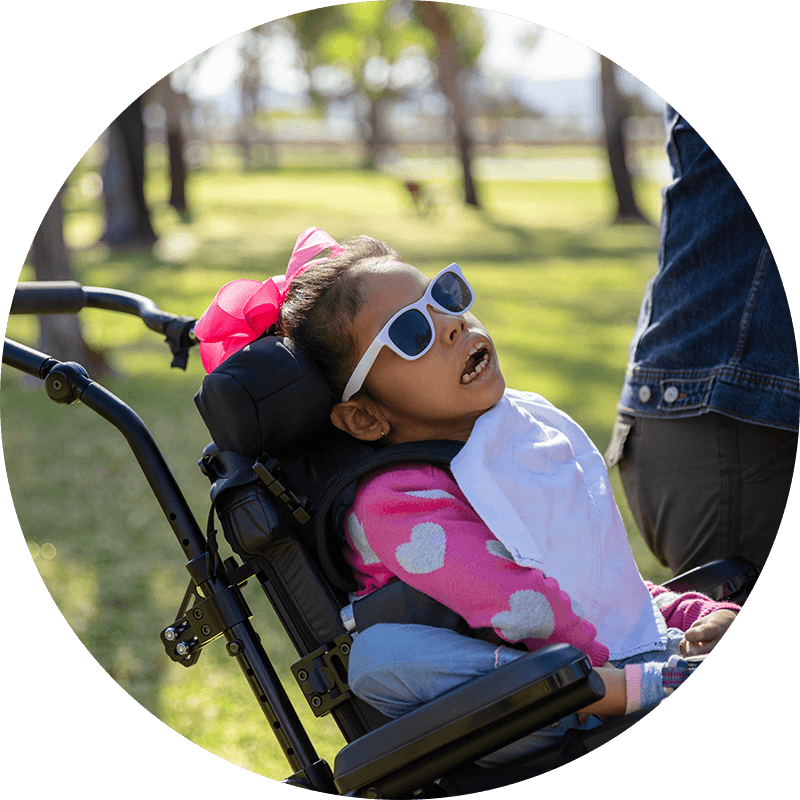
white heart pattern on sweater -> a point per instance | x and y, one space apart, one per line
425 552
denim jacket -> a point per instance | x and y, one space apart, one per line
714 330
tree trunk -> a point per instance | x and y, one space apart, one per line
60 334
435 18
616 144
177 169
173 104
374 133
128 224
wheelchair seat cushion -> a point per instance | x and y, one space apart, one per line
266 398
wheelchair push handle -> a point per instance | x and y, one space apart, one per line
48 297
70 297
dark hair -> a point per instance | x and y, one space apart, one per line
322 303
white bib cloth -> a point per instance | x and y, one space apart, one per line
541 486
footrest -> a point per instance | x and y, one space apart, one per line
467 723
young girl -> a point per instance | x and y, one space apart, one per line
522 536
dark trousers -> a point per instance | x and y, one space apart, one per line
704 487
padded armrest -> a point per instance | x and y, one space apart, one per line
469 722
725 579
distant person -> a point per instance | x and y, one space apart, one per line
706 432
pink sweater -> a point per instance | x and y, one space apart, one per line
413 523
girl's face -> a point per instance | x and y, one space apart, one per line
441 394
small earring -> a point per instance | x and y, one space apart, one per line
383 432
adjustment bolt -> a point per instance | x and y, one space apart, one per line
170 635
234 648
184 648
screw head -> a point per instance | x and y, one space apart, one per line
170 635
198 614
302 675
316 701
185 648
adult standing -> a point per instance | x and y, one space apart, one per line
706 432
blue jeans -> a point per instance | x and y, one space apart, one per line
397 668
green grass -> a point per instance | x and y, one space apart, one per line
558 287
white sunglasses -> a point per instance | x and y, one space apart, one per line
410 332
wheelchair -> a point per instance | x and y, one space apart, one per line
282 479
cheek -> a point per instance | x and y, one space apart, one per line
408 386
388 374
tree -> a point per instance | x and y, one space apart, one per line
367 54
174 104
252 45
616 144
127 216
376 53
458 43
60 334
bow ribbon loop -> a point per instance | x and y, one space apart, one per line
244 309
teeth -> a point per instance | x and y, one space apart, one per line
479 367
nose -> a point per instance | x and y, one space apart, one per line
450 327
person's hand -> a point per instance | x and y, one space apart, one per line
704 634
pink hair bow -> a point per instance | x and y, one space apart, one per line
244 309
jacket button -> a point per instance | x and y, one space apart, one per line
645 394
671 394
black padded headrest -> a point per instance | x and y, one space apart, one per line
265 398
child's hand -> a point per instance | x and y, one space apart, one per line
704 634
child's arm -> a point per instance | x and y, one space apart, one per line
616 697
682 610
636 686
702 619
415 524
703 635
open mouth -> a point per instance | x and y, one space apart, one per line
477 361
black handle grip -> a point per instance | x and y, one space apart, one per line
48 297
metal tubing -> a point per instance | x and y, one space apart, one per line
243 642
69 297
152 463
245 646
26 359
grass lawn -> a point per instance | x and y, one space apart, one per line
557 286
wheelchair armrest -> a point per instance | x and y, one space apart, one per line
729 579
467 723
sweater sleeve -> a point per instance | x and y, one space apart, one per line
683 610
414 524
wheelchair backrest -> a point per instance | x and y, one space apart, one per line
283 478
274 450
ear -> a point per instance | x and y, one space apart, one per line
359 420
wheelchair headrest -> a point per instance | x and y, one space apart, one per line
265 398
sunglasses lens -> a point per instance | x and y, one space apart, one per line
451 293
411 332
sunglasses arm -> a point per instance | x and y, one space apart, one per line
362 370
